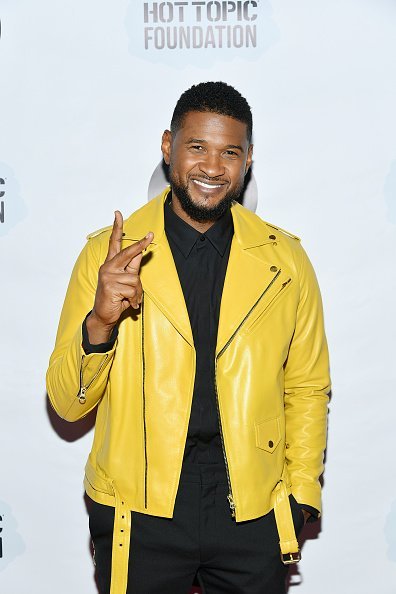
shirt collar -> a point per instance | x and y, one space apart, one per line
185 236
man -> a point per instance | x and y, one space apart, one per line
202 347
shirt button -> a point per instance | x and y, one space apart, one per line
202 238
273 268
271 443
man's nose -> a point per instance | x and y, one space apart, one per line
211 165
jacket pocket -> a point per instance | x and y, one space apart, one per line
268 434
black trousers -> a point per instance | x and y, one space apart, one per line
201 540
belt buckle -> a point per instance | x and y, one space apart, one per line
290 558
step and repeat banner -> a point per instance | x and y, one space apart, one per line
87 89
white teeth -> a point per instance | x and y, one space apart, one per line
210 186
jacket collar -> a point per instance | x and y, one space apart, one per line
249 273
250 231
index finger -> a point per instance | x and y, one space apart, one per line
116 236
125 257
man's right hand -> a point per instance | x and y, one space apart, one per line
119 284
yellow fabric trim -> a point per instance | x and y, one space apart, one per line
283 231
121 540
284 520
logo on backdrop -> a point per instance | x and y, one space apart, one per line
197 32
11 543
12 207
2 192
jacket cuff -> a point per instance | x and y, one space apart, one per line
315 515
308 495
103 347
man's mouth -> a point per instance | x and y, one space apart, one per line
207 185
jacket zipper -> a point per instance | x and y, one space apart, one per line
144 407
83 389
230 496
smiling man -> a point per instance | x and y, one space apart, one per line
202 347
208 157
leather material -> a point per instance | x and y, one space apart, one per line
271 373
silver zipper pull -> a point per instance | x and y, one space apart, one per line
231 504
81 397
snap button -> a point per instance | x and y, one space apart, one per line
272 237
202 238
274 268
271 443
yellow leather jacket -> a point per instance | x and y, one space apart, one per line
271 378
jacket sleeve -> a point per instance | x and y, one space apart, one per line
77 381
307 385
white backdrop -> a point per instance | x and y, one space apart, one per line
83 104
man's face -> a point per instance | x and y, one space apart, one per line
208 158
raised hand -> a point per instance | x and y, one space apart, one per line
119 284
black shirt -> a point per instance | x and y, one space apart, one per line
201 262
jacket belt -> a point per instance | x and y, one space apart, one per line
121 540
289 547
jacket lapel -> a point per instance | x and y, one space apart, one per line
158 271
251 276
248 279
161 283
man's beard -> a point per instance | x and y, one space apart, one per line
199 212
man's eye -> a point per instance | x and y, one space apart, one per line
196 147
231 153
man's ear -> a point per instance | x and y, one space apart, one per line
166 145
249 158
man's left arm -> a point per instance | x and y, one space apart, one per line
307 385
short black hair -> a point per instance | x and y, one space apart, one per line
216 97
